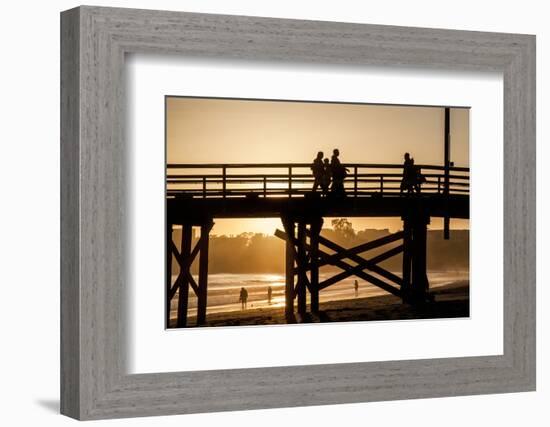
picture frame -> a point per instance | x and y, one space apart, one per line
94 381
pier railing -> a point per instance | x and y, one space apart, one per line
296 180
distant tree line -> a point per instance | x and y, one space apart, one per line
260 253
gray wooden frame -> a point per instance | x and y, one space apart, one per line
94 383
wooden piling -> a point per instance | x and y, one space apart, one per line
289 270
183 298
407 248
315 229
169 257
301 292
203 274
419 273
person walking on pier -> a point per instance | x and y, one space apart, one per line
356 288
339 174
269 294
317 169
412 177
327 177
408 181
243 297
418 178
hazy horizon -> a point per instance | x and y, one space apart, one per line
222 227
264 253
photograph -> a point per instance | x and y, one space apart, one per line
281 214
293 211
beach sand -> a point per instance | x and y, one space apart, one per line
450 301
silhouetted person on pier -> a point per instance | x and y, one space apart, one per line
317 169
356 288
339 174
243 297
418 178
408 180
269 294
327 177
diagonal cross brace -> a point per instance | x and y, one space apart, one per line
353 252
185 264
366 263
369 264
184 274
356 270
350 270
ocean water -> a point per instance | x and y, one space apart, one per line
224 289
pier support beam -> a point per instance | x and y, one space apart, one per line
415 285
185 258
301 288
183 279
407 250
289 270
315 230
169 257
419 274
203 273
301 257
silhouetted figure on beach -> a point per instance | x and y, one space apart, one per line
327 177
356 288
269 294
339 174
317 169
243 297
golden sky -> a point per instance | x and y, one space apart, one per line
254 131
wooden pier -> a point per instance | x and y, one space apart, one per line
198 194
